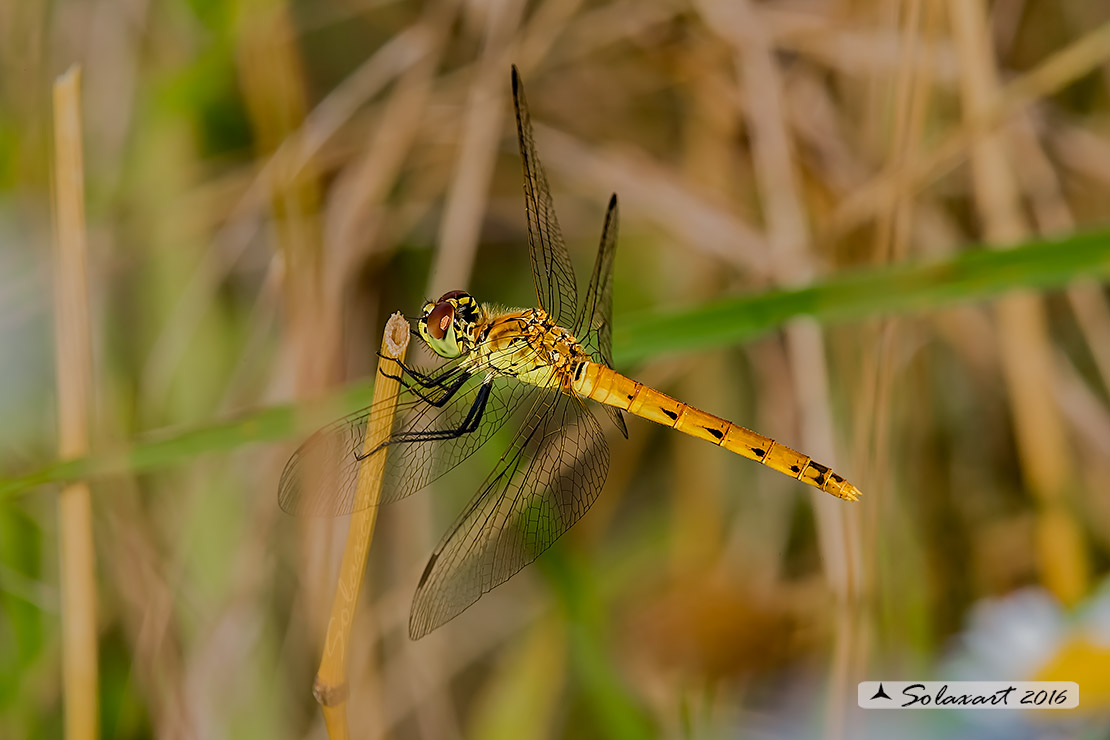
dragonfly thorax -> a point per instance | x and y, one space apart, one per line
528 345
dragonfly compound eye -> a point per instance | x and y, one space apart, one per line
440 318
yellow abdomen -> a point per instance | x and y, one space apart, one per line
607 386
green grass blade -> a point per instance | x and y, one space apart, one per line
894 289
169 447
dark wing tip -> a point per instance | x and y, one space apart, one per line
518 105
287 487
417 630
426 614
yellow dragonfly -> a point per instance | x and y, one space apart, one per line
536 367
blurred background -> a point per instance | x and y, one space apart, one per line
267 181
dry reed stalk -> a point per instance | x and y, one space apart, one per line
357 210
892 236
908 97
1024 345
1053 215
787 234
792 263
331 688
1092 313
356 214
271 73
549 29
698 519
1048 77
655 195
481 133
136 566
272 76
911 87
74 368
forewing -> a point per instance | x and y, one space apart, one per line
320 478
543 484
594 325
552 271
412 465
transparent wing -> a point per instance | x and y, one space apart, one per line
320 478
542 485
594 326
552 271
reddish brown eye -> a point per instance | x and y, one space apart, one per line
452 294
440 319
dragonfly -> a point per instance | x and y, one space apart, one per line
535 368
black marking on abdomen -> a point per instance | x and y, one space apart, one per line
715 432
758 451
671 415
795 469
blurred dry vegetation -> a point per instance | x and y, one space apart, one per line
267 181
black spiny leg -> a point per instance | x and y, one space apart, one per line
447 390
428 381
469 424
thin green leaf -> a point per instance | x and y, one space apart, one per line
894 289
172 446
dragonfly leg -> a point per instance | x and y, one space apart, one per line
428 381
425 379
469 424
447 391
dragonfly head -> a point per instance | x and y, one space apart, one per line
447 324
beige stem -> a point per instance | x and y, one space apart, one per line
331 679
